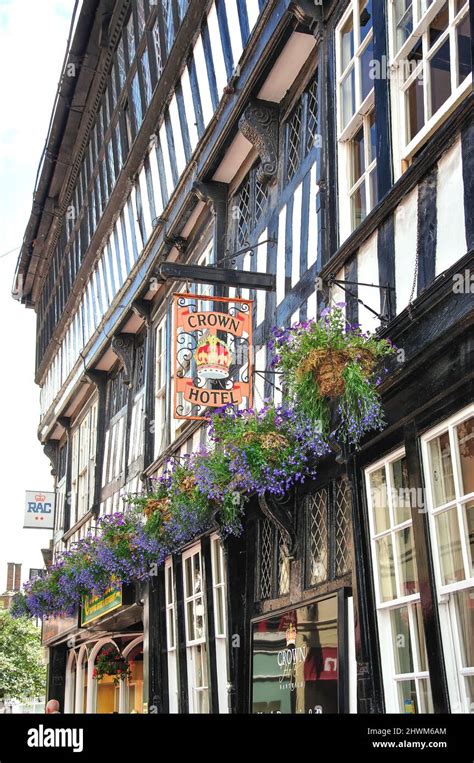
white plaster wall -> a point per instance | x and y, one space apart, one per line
451 242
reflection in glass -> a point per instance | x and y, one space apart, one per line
348 96
415 108
440 74
464 605
441 470
407 697
420 637
402 648
365 18
386 568
359 207
403 21
366 65
449 547
438 25
465 438
407 562
469 523
347 43
378 492
358 155
426 700
401 495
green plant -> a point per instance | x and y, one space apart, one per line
111 663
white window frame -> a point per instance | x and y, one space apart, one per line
196 648
171 636
219 592
391 678
84 440
160 386
448 619
403 148
361 116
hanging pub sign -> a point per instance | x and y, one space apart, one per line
212 354
39 510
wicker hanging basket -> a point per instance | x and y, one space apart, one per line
158 504
328 365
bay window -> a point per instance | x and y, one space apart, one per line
430 59
402 640
356 115
448 459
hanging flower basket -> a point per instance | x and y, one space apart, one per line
161 505
331 371
111 663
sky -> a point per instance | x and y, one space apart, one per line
33 36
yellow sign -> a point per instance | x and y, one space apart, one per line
94 607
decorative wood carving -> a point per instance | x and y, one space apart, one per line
259 124
51 451
123 346
309 14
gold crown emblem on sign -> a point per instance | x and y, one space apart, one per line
213 358
290 635
40 498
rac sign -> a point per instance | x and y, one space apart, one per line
39 510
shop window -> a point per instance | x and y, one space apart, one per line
273 562
196 640
430 55
448 458
296 661
356 115
248 206
171 637
83 464
400 622
327 515
301 128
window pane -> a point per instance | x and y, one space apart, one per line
415 109
438 25
420 638
458 4
348 97
220 612
197 574
365 18
441 470
386 568
426 700
359 206
407 562
358 156
199 617
401 495
463 39
465 439
403 21
464 605
374 191
469 520
401 640
372 147
378 491
407 697
347 43
440 71
366 68
449 547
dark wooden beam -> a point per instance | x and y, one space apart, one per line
224 276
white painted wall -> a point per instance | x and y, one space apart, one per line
451 242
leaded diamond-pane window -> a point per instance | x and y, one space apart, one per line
283 567
265 559
318 546
248 206
302 128
117 394
158 47
342 506
294 130
328 530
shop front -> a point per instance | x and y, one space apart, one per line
299 659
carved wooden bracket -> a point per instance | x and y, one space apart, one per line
309 14
143 308
123 345
51 451
281 516
259 124
211 193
